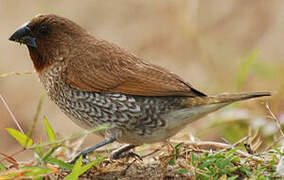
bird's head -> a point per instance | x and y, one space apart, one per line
49 39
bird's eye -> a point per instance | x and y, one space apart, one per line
43 30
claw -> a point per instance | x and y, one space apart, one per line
116 156
123 152
135 155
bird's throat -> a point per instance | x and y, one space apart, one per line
38 60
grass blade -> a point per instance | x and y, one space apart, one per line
244 67
60 163
75 171
24 140
49 131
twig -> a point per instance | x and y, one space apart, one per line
36 116
217 145
99 128
11 114
123 172
77 145
240 141
205 144
13 154
247 155
14 73
236 143
275 119
273 144
153 152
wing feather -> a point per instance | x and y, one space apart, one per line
104 67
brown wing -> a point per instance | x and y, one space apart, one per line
104 67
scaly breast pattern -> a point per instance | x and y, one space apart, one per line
136 114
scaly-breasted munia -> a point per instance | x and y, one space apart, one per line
94 82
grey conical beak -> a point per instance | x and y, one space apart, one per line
24 35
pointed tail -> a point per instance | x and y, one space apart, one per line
222 98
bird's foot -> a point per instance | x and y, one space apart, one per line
116 156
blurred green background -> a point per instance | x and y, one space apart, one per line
218 46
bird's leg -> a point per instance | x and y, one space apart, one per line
123 152
92 148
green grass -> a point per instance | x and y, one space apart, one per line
44 153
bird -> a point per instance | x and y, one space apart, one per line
95 82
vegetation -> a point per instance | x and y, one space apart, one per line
203 42
254 156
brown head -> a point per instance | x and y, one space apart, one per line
49 38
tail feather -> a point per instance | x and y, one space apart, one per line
222 98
